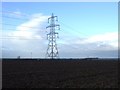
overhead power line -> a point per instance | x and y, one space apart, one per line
72 29
19 37
13 13
21 26
67 26
14 18
22 16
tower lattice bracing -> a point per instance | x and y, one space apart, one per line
52 50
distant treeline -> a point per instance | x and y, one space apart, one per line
60 59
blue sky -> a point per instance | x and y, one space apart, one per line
81 15
92 26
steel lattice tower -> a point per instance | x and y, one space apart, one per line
52 51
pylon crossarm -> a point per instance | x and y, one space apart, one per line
52 50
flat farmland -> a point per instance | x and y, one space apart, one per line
59 73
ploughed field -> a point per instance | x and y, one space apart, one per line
59 73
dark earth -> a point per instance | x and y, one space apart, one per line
59 73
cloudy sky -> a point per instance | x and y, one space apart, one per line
87 29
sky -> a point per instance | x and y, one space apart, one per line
87 29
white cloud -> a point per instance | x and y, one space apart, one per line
35 22
16 14
110 38
32 28
101 45
29 37
104 37
34 31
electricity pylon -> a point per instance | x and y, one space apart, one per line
52 51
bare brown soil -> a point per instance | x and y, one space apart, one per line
60 74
